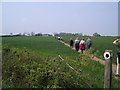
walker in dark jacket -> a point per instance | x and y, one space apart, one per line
88 43
71 43
77 44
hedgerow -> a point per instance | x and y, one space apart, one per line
25 69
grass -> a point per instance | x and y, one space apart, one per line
27 69
36 60
42 45
99 44
104 43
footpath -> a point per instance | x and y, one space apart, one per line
94 58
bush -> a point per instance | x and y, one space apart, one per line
25 69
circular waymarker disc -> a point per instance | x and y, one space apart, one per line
107 55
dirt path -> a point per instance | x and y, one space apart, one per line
94 58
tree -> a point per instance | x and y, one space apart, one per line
96 34
25 33
11 34
32 34
56 34
38 34
80 34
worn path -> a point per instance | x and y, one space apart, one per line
94 58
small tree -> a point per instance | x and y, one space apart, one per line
32 34
38 34
96 34
80 34
11 34
25 33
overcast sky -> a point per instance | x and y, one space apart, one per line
51 17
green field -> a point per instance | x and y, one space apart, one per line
44 46
33 62
99 44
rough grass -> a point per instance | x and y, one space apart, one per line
28 63
24 69
99 44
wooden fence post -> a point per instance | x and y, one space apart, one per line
108 69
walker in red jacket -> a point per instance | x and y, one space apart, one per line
82 45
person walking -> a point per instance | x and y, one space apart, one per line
88 43
77 41
117 42
82 45
71 43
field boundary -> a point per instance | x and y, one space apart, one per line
94 58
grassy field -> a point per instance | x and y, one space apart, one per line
99 44
33 62
43 45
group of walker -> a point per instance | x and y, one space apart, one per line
81 45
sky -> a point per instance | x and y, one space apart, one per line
55 17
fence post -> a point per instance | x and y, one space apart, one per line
108 69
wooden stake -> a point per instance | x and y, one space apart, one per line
108 69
